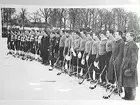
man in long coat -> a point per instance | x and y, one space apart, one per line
128 74
52 48
45 48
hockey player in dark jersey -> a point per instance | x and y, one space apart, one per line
52 49
8 42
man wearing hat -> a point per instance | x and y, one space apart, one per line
45 43
128 78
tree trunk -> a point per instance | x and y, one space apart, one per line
60 23
46 22
64 23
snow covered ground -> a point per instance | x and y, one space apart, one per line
23 80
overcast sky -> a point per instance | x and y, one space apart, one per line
31 9
127 8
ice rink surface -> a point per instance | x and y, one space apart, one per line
30 80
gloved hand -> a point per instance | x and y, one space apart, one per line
69 58
87 57
96 64
79 55
72 50
128 73
66 66
66 57
74 54
83 62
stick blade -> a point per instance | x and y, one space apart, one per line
80 83
93 87
50 69
58 73
105 97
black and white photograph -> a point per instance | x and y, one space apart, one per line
70 53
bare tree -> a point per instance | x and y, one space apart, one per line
133 23
23 17
6 14
35 18
65 16
74 18
61 16
45 13
77 18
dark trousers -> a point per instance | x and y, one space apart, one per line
18 45
12 45
130 93
66 50
74 60
102 63
32 48
45 57
79 63
108 56
86 67
22 46
61 53
91 62
52 58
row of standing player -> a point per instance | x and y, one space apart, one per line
31 45
81 54
104 58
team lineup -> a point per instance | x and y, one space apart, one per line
104 58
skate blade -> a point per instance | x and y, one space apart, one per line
92 82
50 69
106 97
80 83
59 73
93 87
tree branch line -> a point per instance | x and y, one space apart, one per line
95 19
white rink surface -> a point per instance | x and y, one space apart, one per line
20 80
